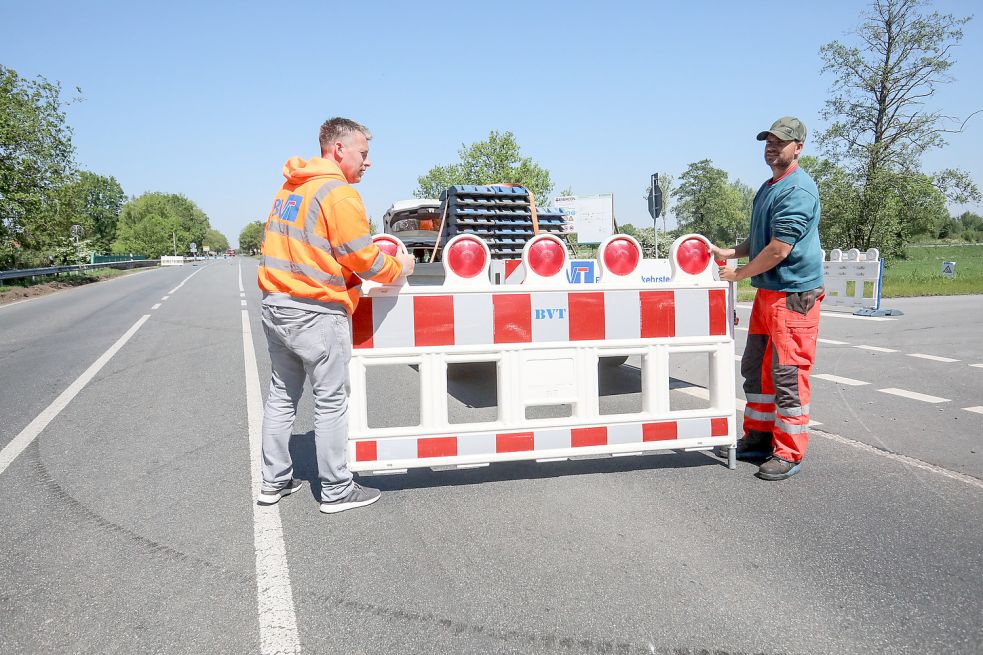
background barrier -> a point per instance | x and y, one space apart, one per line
853 280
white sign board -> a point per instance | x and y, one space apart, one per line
593 216
949 269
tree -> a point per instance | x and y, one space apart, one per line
215 241
251 237
880 126
92 201
494 161
706 203
36 157
151 224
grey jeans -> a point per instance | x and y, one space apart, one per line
317 347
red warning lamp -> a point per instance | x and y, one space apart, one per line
546 256
386 244
466 257
693 256
621 256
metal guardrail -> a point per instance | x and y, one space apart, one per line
21 273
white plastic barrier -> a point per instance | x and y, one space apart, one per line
853 279
169 260
545 339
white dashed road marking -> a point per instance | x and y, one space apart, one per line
934 358
877 349
977 365
977 409
833 342
243 302
914 395
155 306
839 380
164 298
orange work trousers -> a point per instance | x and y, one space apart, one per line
780 352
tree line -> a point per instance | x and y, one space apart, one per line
53 212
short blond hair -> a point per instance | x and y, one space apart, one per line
335 129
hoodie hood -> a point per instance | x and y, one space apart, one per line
298 171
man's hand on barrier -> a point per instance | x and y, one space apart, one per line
722 253
408 262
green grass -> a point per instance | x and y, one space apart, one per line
921 273
66 279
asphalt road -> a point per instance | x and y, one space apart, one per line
128 522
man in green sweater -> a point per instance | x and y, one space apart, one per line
786 267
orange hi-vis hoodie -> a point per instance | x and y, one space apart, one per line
317 244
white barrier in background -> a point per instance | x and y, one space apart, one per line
545 338
170 260
853 280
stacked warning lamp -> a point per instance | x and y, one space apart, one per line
502 216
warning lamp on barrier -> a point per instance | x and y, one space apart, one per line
618 257
466 260
544 256
689 257
389 244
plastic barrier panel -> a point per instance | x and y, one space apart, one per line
536 347
853 280
169 260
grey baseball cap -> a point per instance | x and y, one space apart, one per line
786 128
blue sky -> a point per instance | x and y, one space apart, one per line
209 99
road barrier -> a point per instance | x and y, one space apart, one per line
171 260
853 280
545 340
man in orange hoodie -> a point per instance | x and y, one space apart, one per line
316 251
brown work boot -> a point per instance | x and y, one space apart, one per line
777 468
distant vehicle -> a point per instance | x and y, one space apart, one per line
230 252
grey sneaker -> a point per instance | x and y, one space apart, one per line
273 497
359 496
777 468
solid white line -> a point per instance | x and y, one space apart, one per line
35 427
839 380
832 342
934 358
856 318
277 618
155 306
741 329
904 459
877 349
978 409
912 395
188 278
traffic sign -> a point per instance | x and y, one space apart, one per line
655 197
193 247
949 269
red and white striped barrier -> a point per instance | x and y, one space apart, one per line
545 337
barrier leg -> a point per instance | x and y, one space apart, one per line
732 458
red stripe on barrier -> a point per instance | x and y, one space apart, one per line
580 437
658 314
513 317
511 265
362 324
718 427
365 451
433 320
586 316
436 447
718 312
513 443
659 431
